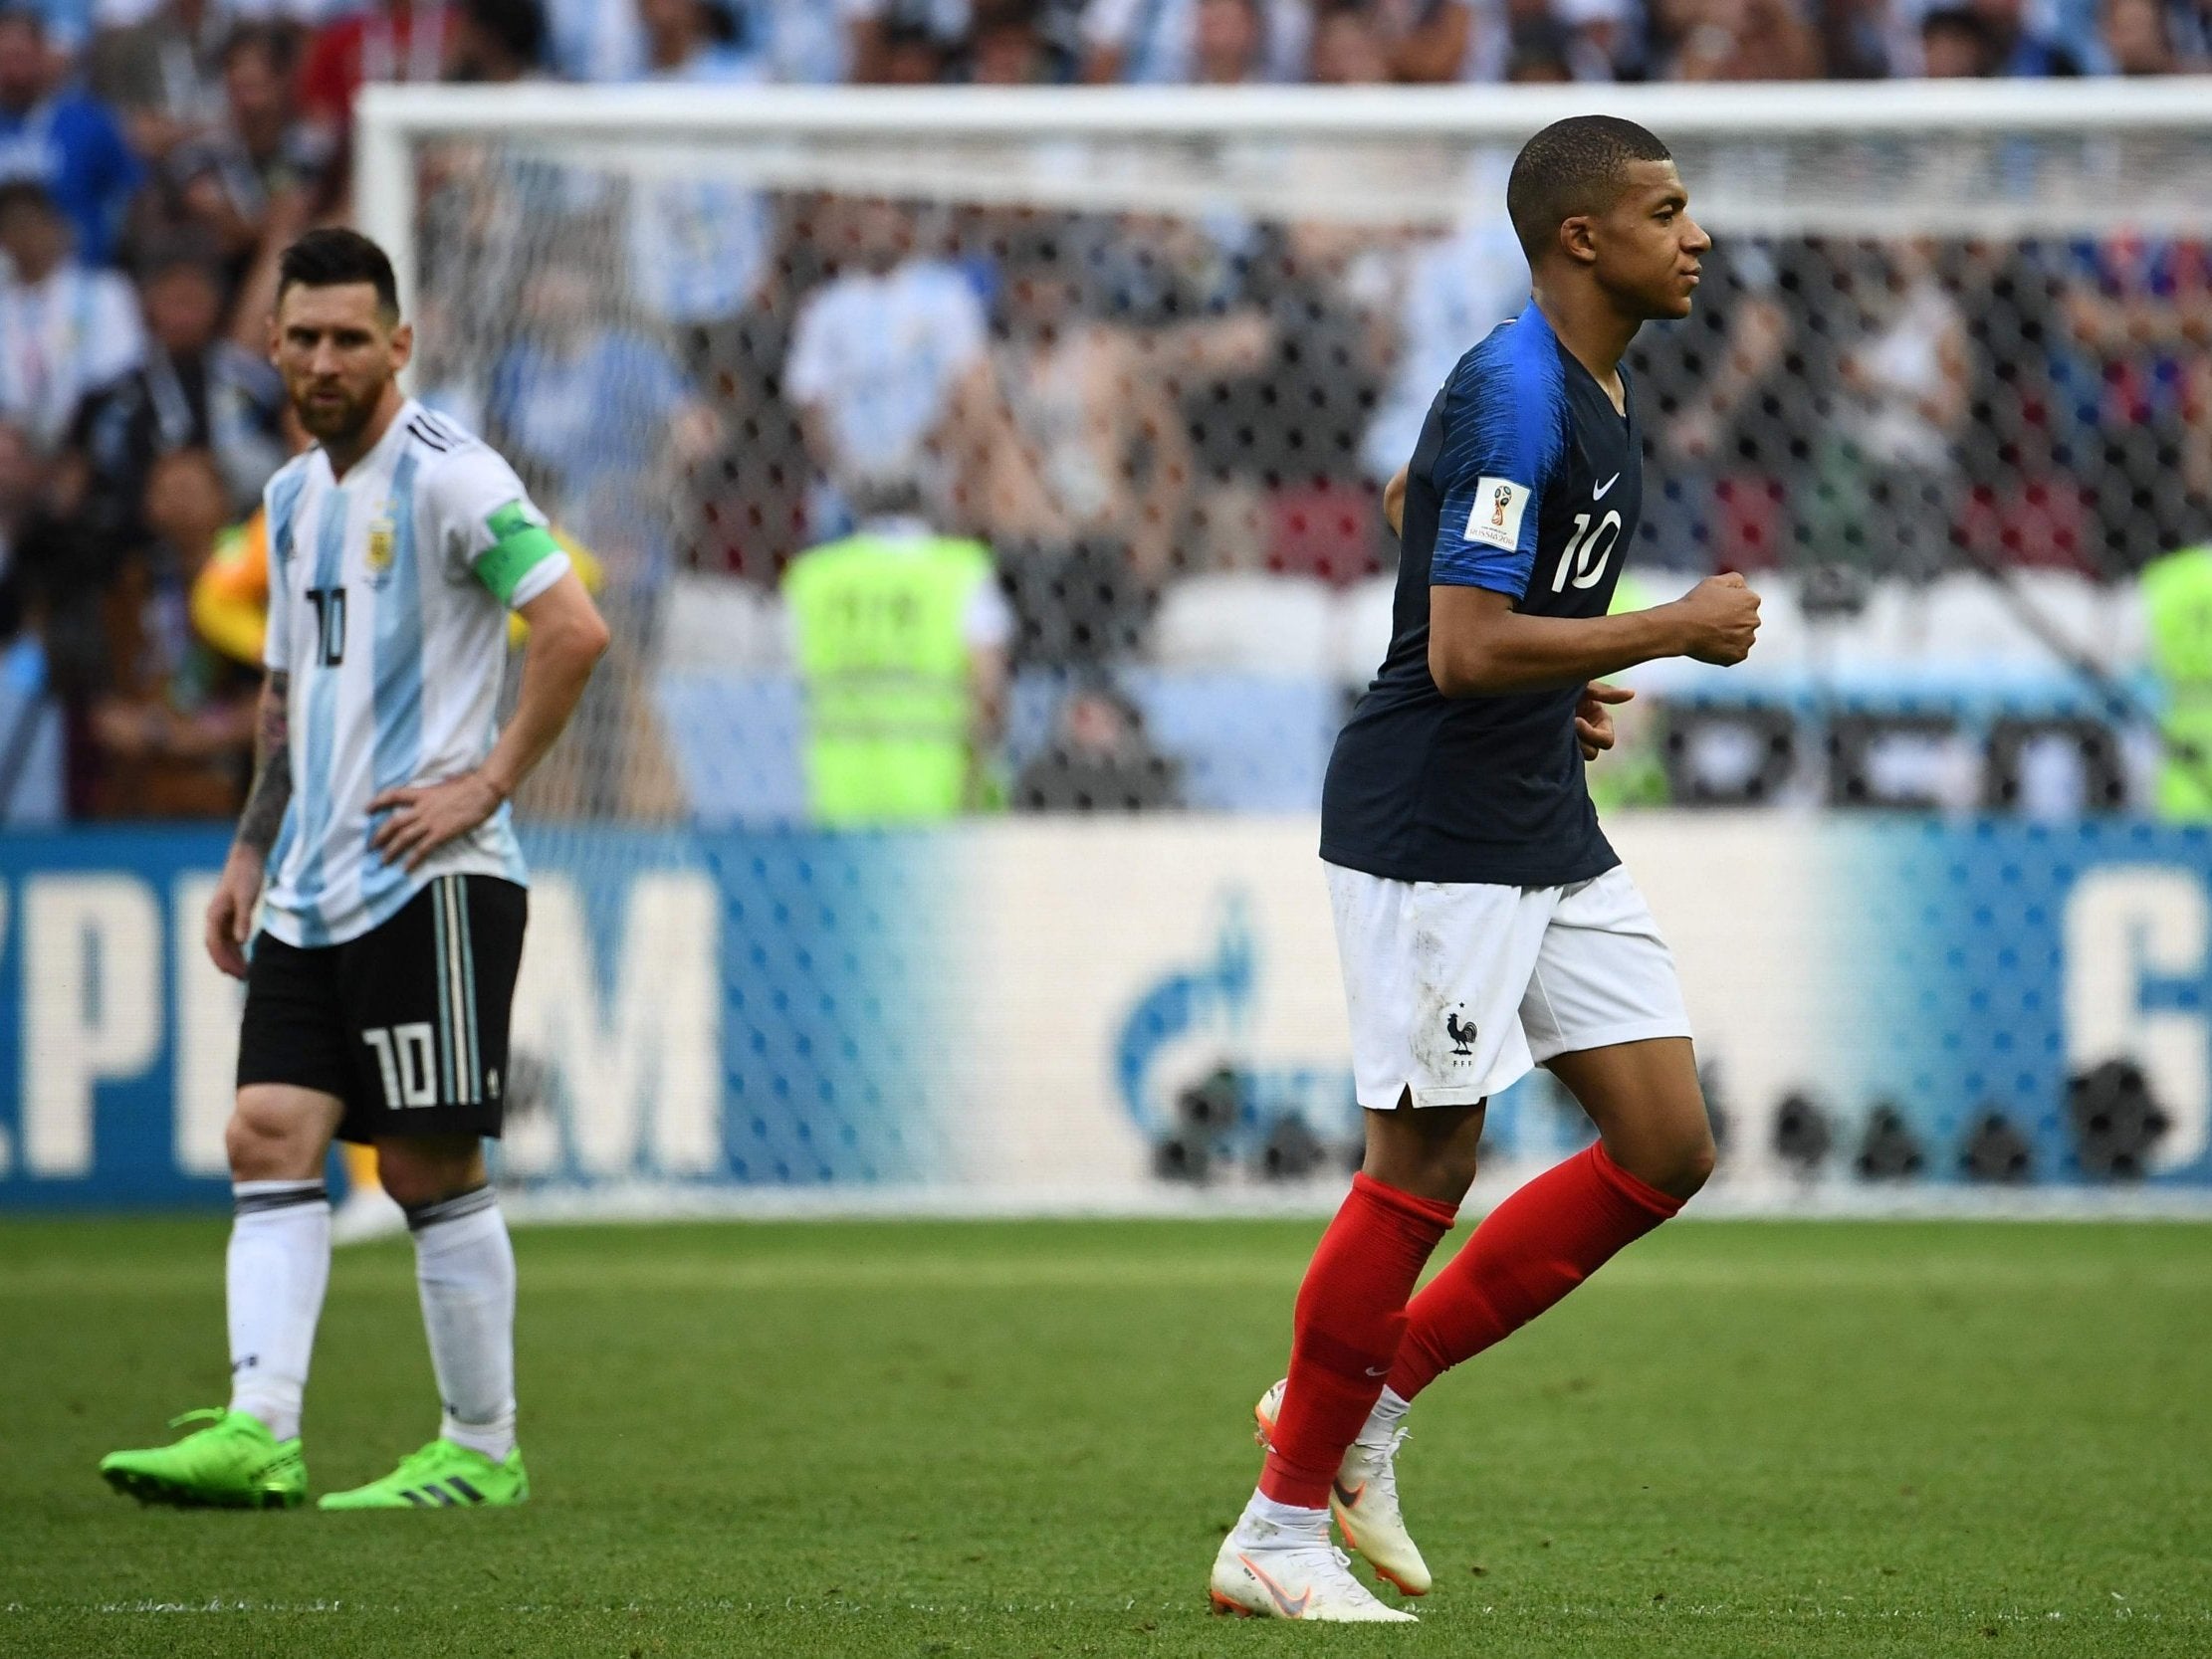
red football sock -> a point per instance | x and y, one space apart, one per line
1525 1255
1351 1312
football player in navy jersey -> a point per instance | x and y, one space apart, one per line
1483 923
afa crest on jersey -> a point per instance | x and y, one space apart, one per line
383 540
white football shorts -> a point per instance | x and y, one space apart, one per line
1457 989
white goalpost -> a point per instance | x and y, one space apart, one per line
1957 311
1248 145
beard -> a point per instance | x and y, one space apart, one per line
336 421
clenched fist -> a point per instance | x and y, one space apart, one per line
1719 618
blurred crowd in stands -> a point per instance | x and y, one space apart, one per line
1203 42
695 376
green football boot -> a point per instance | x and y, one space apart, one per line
440 1476
232 1463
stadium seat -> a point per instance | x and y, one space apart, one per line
1267 624
1325 530
2044 523
738 740
1362 627
1748 524
1247 743
726 624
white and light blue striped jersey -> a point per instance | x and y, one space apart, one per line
388 594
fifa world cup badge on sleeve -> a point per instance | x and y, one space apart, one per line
1496 518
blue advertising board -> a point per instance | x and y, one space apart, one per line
1019 1013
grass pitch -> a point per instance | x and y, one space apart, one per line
936 1440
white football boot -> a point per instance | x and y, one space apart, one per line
1269 1572
365 1214
1363 1499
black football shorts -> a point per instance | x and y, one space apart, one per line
406 1024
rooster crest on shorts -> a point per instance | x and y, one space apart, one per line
1462 1036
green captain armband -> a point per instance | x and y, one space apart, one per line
518 547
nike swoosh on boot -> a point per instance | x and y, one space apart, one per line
1290 1608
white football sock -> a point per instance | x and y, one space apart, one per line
278 1267
465 1268
1290 1517
1382 1423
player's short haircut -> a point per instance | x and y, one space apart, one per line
1572 167
333 257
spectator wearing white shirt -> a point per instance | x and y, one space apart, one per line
811 42
65 330
701 260
692 40
1886 491
1457 288
1075 456
699 247
878 355
818 43
1157 42
595 40
1604 37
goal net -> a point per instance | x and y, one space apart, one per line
1946 392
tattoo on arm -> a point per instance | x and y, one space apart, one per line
272 792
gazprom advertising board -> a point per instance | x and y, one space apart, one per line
1132 1013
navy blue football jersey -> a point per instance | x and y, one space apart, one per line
1526 482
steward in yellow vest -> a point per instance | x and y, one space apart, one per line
901 639
2177 598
